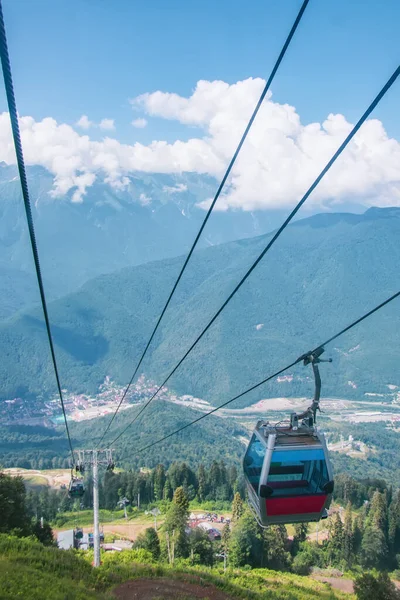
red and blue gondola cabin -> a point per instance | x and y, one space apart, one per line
288 475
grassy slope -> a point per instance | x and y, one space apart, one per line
30 571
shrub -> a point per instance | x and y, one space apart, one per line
368 587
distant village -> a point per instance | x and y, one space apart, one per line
79 407
46 411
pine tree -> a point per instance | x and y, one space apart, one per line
202 483
225 537
246 542
159 481
181 499
175 526
12 505
167 492
300 536
348 537
237 507
149 540
374 550
378 513
335 546
394 525
275 543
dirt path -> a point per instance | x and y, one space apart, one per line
337 583
167 589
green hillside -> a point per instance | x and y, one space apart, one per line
324 272
35 447
31 571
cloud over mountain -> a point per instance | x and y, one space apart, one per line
279 160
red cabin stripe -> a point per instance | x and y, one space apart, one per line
295 505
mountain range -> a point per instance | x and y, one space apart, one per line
108 230
324 272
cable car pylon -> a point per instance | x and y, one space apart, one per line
287 469
92 459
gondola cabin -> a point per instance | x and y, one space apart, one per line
288 474
76 488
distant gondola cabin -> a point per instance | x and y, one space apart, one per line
288 475
76 488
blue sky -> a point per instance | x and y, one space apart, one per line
74 57
91 57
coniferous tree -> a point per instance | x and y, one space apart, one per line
237 507
159 481
13 509
357 538
374 551
394 525
246 542
44 533
275 553
202 483
335 546
378 513
348 537
300 536
180 499
149 540
175 526
167 492
225 537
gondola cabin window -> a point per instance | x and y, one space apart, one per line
297 473
254 460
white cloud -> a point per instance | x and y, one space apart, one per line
281 156
139 123
107 124
144 200
175 189
279 160
84 122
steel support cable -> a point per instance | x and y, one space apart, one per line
12 107
257 385
360 122
217 195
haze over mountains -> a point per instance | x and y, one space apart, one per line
155 216
324 272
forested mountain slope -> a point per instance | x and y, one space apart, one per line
322 273
27 446
110 229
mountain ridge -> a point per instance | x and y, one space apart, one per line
307 288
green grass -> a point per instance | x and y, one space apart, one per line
85 517
35 481
31 571
258 584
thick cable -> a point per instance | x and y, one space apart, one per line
12 107
338 152
257 385
219 190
